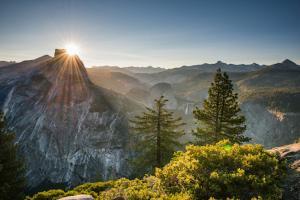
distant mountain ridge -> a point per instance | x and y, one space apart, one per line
268 95
132 69
283 74
116 80
6 63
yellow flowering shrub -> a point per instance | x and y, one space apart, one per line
224 171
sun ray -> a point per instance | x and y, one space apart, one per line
72 49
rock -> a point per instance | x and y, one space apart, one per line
292 181
59 52
68 130
270 128
78 197
119 198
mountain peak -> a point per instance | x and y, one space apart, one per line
288 62
59 52
65 71
220 62
42 58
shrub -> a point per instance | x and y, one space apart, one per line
147 188
93 188
48 195
224 171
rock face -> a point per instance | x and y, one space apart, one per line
68 130
270 127
292 182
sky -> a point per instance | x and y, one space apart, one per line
165 33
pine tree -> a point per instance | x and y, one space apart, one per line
12 181
220 116
157 133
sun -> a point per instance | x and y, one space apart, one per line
72 49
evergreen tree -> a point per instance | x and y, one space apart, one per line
219 118
12 181
157 133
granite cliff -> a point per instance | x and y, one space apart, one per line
69 130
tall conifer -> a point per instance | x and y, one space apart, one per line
12 181
220 116
157 133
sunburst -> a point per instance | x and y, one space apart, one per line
72 49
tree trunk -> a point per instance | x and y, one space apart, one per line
222 112
217 115
158 142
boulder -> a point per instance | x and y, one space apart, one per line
78 197
291 183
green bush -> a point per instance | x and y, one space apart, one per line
224 171
48 195
146 188
141 189
93 188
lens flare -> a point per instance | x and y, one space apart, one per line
227 147
72 49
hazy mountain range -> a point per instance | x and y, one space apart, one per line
268 94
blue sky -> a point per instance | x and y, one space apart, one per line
166 33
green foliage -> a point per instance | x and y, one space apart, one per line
157 133
141 189
224 170
220 171
147 188
219 118
48 195
12 181
93 188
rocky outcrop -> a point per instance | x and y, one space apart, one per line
270 127
59 52
292 181
68 130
